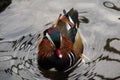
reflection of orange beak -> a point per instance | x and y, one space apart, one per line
59 54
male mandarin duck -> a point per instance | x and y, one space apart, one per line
60 46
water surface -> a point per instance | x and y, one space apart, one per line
23 21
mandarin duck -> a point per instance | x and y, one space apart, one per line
60 46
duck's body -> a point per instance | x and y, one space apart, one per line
61 45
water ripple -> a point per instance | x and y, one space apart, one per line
110 48
111 5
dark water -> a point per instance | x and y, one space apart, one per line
23 21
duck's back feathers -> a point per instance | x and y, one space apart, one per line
72 34
78 45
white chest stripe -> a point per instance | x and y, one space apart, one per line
72 58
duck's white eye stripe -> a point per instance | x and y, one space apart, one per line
70 19
48 36
68 26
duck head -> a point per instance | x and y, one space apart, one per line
54 36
